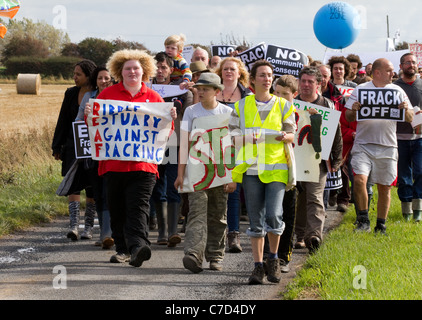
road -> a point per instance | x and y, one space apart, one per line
41 263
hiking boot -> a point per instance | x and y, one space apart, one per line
314 244
152 223
417 216
233 242
284 266
273 270
119 257
257 276
74 220
139 255
216 265
342 207
381 228
363 225
90 212
87 233
174 240
300 244
191 263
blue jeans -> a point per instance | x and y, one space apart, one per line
409 179
264 203
233 210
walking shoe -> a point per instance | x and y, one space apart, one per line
381 228
314 244
332 200
87 233
216 265
284 266
139 255
363 225
300 244
174 240
119 257
107 243
153 223
342 207
191 263
233 242
273 270
162 242
257 276
72 234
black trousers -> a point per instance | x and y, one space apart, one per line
128 195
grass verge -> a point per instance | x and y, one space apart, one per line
364 266
29 177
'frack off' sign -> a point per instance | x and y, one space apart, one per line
126 131
285 60
381 104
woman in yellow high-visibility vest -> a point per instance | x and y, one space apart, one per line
260 126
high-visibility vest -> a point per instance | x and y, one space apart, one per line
269 156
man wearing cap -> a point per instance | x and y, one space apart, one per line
207 223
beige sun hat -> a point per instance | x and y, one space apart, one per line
209 79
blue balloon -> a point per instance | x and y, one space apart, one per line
337 25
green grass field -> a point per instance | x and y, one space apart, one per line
364 266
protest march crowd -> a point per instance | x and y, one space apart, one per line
264 134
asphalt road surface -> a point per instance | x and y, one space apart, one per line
42 264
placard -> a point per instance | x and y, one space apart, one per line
126 131
81 139
286 60
252 55
330 122
211 154
222 51
380 104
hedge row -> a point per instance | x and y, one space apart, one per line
54 66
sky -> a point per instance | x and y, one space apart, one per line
278 22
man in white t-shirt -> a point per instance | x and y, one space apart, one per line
374 153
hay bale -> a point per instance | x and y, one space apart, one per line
28 83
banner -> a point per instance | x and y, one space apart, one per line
381 104
82 141
126 131
211 154
334 181
416 49
222 51
285 60
166 90
330 122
